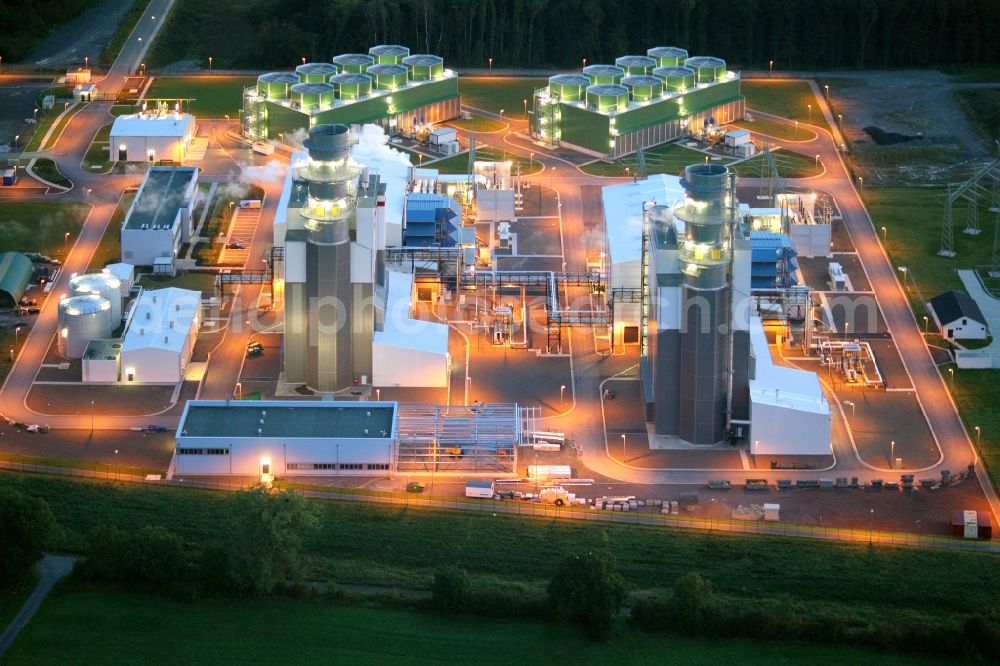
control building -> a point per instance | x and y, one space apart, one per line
387 86
159 219
609 111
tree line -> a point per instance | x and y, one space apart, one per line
795 34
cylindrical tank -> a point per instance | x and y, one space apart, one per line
353 63
312 95
82 319
607 97
675 78
389 54
102 284
330 175
644 88
276 85
388 77
668 56
568 87
705 252
424 67
707 69
600 74
315 72
352 86
633 64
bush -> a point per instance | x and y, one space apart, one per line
265 538
587 588
983 638
27 527
149 556
451 590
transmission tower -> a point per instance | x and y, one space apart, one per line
982 185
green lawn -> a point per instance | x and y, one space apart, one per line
367 543
47 169
501 92
215 96
123 109
912 218
109 249
43 123
788 99
13 594
671 159
103 627
204 282
460 163
478 124
790 165
776 129
40 226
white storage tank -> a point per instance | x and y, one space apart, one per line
82 319
102 284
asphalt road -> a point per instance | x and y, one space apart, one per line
50 570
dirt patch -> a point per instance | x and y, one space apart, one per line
883 138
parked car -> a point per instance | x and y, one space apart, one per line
255 349
30 310
235 246
40 429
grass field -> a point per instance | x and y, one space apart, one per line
460 163
13 594
43 123
98 157
61 125
40 226
671 158
478 124
501 92
788 99
109 249
123 109
776 129
98 627
790 165
47 169
214 96
982 105
377 544
912 218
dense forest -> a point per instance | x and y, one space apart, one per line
24 23
796 34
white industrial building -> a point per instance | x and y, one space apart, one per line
160 335
957 316
789 414
159 219
280 438
152 137
623 220
795 215
408 351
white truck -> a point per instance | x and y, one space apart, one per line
480 489
263 147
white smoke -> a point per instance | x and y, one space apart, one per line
392 166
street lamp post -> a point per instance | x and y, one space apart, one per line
871 524
525 108
925 323
906 276
584 62
531 161
92 419
817 159
65 240
770 67
562 392
378 395
17 329
885 235
827 93
117 475
951 378
210 63
810 112
851 404
491 65
892 454
979 434
796 130
624 450
861 183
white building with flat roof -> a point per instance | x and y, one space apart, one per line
789 414
152 137
408 351
160 336
279 438
159 219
